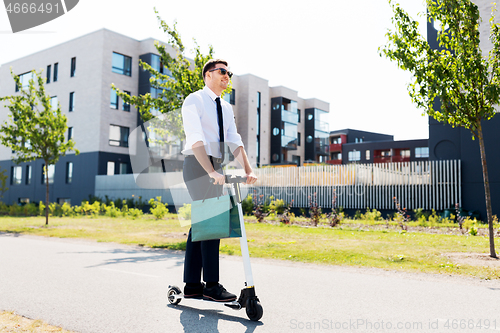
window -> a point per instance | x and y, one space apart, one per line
62 201
121 64
111 168
70 133
56 70
230 98
367 155
69 172
28 174
50 172
118 136
25 80
405 152
23 201
422 152
123 168
71 101
49 68
73 67
337 140
126 106
114 100
54 102
16 175
336 156
298 139
354 155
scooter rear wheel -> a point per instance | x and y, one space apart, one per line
254 309
174 290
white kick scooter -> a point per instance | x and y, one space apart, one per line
248 299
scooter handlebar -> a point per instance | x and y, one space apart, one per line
232 180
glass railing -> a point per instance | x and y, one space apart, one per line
288 142
323 149
321 126
289 117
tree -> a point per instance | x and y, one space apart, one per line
185 78
35 128
466 83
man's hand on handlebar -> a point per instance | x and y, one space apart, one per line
218 178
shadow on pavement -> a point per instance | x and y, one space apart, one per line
153 255
195 320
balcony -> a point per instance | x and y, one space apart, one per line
389 159
289 142
323 149
335 147
334 162
289 117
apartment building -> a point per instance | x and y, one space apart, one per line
275 124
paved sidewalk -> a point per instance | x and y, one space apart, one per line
95 287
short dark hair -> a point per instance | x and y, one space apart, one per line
211 65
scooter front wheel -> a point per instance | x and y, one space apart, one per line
254 309
174 290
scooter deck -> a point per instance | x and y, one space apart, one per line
233 304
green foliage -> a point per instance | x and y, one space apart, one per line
35 129
358 215
373 215
314 210
186 78
3 182
258 207
457 74
67 210
158 209
277 205
247 205
185 211
41 208
135 213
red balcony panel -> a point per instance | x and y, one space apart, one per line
334 162
335 147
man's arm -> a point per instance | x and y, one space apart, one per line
242 158
202 157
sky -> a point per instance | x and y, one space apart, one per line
325 49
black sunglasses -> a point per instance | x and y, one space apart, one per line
223 71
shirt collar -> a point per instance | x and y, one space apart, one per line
210 93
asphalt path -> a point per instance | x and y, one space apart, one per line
87 286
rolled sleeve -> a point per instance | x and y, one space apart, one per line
192 124
233 138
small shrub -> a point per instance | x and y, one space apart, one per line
358 215
314 210
278 206
402 216
334 217
41 209
247 205
258 207
373 215
185 211
433 219
158 208
135 213
286 216
112 210
67 210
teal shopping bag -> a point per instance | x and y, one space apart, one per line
215 218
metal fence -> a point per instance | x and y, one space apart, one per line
426 184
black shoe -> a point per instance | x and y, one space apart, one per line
218 294
194 292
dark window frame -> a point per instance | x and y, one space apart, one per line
49 73
124 136
126 68
73 67
69 172
71 102
56 72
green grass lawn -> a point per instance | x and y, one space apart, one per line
388 249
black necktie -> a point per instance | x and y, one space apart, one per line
221 126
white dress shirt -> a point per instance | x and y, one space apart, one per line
199 117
